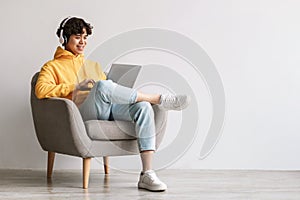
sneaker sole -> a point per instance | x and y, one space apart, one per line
152 189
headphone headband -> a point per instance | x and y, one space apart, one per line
62 39
65 21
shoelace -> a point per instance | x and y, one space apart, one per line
153 177
170 99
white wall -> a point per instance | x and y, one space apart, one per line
254 44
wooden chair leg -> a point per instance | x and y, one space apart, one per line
106 164
86 172
50 163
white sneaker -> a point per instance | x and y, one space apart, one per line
149 181
174 102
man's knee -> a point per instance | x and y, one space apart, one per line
104 85
144 109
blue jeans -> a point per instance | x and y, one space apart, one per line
110 101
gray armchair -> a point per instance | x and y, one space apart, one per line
60 129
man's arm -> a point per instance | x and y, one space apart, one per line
47 85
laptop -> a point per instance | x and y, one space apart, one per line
124 74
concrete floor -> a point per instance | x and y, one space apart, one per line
183 184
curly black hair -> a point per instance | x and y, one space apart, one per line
72 26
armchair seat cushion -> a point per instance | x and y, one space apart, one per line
110 130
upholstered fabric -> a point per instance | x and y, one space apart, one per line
110 130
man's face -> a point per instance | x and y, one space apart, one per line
76 43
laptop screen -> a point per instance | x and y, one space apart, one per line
124 74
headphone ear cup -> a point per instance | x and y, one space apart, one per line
61 38
65 39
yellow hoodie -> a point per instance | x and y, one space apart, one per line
58 77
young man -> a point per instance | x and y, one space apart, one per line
70 76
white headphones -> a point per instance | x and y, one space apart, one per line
62 38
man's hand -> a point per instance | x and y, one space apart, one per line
86 84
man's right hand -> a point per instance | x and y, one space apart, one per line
86 84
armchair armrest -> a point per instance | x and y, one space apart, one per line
160 117
59 126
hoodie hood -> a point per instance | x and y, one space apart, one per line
60 52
